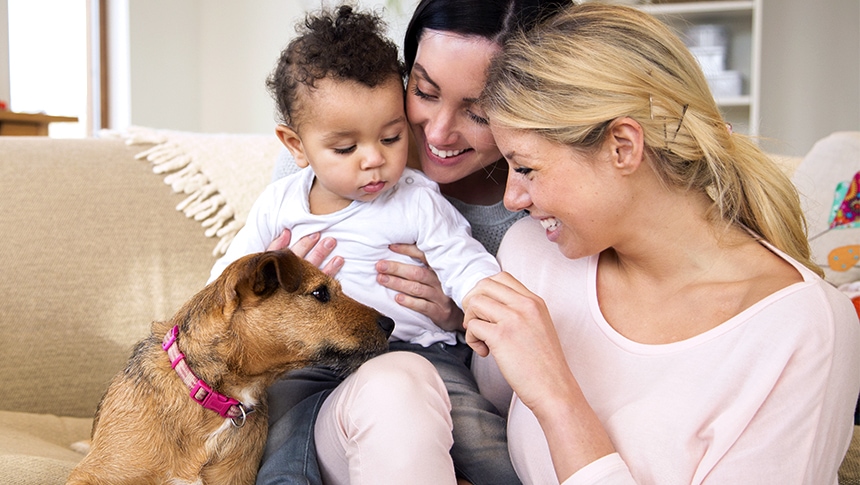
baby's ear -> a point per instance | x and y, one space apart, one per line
291 140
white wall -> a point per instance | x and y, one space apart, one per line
164 61
201 65
240 44
810 76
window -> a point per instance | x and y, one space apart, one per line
48 66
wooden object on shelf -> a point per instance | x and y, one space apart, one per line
29 124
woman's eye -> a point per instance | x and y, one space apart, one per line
477 119
344 151
321 294
523 170
421 94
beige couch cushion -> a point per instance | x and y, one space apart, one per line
35 447
93 250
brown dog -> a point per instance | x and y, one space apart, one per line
266 314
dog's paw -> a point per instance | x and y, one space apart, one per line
82 447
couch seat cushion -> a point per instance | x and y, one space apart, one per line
35 448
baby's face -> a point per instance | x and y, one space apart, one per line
355 138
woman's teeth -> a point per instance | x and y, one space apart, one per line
550 223
444 153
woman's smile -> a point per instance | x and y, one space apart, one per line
552 227
444 153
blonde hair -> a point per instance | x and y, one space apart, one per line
568 78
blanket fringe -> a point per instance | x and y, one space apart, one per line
204 202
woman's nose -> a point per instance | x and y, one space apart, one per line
440 128
516 197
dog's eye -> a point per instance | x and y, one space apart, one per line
321 294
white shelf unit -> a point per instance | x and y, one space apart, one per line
742 21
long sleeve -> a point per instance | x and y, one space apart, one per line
458 259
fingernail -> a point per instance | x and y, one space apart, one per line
328 243
382 278
382 266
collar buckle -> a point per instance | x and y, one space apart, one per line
209 399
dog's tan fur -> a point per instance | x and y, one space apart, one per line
267 313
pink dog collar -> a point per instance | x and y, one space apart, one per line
200 391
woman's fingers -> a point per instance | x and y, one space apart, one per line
416 281
418 288
312 249
503 317
334 265
280 242
484 309
410 250
319 252
473 338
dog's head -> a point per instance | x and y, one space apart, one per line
272 312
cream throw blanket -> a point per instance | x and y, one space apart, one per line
222 174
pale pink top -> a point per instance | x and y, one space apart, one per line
766 397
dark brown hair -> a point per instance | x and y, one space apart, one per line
342 44
493 20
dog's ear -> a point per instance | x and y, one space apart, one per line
277 269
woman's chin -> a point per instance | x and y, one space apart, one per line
441 172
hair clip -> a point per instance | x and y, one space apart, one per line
680 120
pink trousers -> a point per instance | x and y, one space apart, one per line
387 423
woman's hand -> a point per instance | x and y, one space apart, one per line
505 318
419 288
312 249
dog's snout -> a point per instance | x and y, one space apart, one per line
386 324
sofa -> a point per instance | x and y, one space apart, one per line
102 236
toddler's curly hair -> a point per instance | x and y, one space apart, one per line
342 44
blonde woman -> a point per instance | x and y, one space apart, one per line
659 318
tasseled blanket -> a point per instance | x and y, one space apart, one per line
222 174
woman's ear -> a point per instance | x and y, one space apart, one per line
626 143
291 140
